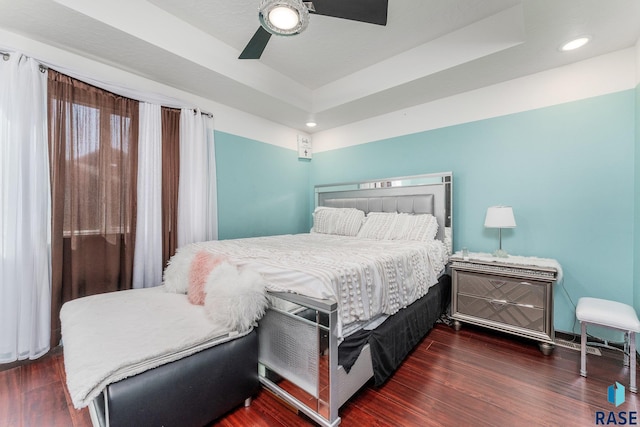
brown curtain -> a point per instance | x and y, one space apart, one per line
93 145
170 173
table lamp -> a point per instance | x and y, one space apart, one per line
500 217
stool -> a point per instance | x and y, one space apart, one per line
613 315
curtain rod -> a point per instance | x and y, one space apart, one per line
6 56
204 113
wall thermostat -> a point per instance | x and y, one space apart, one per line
304 147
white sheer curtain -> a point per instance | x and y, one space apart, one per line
25 214
147 259
212 202
197 204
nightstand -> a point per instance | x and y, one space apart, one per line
512 295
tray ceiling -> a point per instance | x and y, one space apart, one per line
338 71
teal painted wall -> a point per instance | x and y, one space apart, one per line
262 189
567 170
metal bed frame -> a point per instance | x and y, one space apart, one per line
298 353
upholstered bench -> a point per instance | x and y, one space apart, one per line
613 315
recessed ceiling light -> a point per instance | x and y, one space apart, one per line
575 43
311 124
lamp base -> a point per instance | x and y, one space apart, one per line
501 253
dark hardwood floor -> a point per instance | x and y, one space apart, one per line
472 377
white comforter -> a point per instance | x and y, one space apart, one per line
366 277
112 336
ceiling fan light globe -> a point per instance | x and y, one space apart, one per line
283 17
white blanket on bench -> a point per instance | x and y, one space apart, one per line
109 337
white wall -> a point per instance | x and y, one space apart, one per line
227 119
638 62
605 74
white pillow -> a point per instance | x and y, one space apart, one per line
341 221
422 227
176 275
235 297
399 226
378 225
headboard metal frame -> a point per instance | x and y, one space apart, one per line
420 194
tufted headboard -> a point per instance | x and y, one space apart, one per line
414 195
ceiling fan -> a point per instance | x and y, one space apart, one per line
291 17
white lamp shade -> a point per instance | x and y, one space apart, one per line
500 217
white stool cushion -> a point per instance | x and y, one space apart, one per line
607 313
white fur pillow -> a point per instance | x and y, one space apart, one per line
176 275
235 297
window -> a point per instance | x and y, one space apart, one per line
93 137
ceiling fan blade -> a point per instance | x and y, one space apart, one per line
370 11
256 45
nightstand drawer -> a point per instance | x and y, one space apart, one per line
524 292
520 316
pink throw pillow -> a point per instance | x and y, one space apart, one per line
203 263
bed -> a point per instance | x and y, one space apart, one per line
308 355
324 334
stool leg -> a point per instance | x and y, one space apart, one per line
583 349
632 352
626 348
